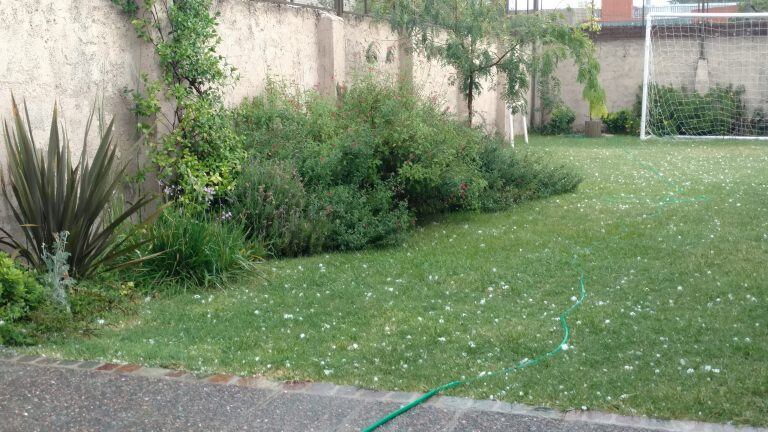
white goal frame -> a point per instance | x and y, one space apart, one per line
647 66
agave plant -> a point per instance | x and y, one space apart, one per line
53 196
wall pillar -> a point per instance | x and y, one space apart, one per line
405 58
331 70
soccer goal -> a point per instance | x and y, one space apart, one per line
706 76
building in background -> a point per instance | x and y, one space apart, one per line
616 13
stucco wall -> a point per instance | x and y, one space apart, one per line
268 40
69 53
621 73
362 35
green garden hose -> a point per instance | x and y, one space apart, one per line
523 364
673 198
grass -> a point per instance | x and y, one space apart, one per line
671 237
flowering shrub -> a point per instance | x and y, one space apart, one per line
375 159
270 200
201 158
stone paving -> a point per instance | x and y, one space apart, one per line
40 394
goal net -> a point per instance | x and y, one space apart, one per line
706 76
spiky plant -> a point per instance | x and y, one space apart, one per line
50 196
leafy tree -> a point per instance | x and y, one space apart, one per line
754 6
200 157
479 40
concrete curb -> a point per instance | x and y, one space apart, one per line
448 403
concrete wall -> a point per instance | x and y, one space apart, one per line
621 73
737 60
75 51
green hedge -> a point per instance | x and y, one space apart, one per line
678 111
370 163
20 295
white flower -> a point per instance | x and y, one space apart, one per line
564 347
100 321
287 316
441 339
354 346
690 371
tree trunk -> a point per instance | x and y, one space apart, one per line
470 100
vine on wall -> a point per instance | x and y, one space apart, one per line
198 160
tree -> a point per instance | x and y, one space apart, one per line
754 6
479 40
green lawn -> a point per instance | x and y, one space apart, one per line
671 237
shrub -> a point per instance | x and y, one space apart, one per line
270 200
514 178
193 248
560 121
620 122
200 159
677 111
759 122
53 196
379 156
359 218
20 294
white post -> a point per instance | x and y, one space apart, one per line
525 129
646 76
511 128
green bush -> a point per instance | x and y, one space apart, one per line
514 178
620 122
200 160
270 201
759 122
359 218
377 133
678 111
194 248
560 121
20 294
376 158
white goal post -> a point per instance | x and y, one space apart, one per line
705 76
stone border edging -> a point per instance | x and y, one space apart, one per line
326 389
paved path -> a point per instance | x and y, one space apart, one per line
39 394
